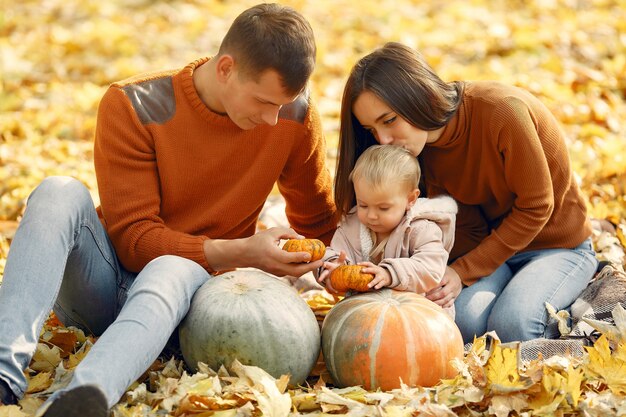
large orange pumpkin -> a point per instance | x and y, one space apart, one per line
378 338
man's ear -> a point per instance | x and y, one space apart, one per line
413 195
224 67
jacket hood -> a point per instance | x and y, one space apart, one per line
440 210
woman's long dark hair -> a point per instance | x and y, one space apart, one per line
399 76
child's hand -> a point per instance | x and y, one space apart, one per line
382 278
330 267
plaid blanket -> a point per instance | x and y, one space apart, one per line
595 304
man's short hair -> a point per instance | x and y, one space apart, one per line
272 36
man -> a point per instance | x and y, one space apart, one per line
184 162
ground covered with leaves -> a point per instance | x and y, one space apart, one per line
491 382
57 57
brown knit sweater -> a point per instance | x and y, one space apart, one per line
504 159
172 173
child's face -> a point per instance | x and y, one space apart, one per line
381 208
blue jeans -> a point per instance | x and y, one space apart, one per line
61 258
512 299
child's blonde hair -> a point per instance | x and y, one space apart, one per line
381 165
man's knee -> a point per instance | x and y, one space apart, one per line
176 264
169 282
176 273
59 193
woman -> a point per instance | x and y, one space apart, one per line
523 236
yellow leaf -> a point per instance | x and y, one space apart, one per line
45 358
551 394
11 411
455 392
74 359
503 405
397 411
353 393
226 413
305 402
282 383
39 382
608 368
479 345
270 400
30 404
573 387
202 387
333 397
502 373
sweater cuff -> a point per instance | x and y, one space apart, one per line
192 247
463 274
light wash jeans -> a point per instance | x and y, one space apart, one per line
512 299
61 258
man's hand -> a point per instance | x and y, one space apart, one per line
260 251
382 278
450 288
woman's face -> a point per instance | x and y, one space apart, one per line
388 127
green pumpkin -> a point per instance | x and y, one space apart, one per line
253 317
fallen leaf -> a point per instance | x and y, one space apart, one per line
502 373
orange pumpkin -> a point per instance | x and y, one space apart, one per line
378 338
315 247
350 277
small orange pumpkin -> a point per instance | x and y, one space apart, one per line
350 277
315 247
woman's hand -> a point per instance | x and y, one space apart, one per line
450 288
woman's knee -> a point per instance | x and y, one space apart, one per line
517 321
472 310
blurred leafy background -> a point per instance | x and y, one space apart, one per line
57 57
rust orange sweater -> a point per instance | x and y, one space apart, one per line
171 173
503 158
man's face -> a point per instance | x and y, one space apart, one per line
250 103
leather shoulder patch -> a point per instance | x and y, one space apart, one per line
297 110
153 100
